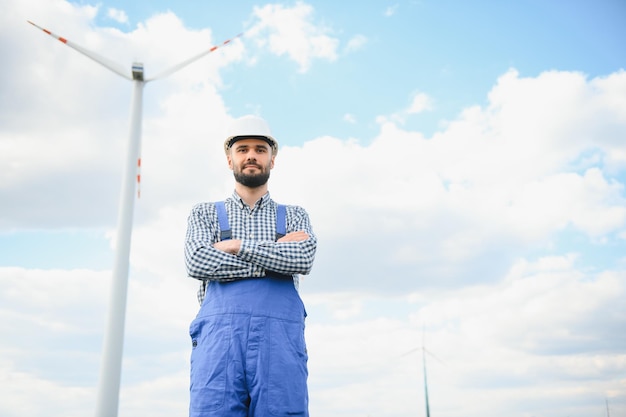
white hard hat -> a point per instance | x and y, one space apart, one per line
249 127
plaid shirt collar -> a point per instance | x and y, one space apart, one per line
262 203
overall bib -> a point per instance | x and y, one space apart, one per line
249 356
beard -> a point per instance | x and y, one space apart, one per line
252 180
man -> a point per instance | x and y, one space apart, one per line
248 356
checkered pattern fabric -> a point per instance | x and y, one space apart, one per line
256 228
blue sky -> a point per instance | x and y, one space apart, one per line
463 164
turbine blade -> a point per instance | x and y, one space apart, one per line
89 54
410 351
190 60
435 357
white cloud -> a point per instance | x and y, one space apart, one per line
458 196
509 341
421 102
589 202
118 15
349 118
356 43
391 10
290 31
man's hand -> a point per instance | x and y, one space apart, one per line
298 236
229 246
232 246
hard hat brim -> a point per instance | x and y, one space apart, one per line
232 139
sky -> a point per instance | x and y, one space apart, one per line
463 165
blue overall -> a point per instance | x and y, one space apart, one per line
248 355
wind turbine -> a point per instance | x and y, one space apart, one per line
111 365
424 351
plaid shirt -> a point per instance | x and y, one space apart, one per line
256 228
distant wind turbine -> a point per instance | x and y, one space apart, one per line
111 365
424 351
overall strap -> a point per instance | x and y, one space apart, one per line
281 221
222 218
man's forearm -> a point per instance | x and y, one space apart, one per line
231 246
209 263
282 257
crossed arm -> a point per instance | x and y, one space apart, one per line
228 260
233 246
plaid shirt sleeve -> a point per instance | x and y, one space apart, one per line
205 262
287 258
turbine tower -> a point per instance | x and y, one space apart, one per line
425 381
111 365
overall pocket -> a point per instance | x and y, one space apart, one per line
287 379
210 338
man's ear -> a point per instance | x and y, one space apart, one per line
230 160
272 161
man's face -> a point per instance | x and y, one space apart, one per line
251 161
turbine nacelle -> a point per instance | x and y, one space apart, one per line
137 70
